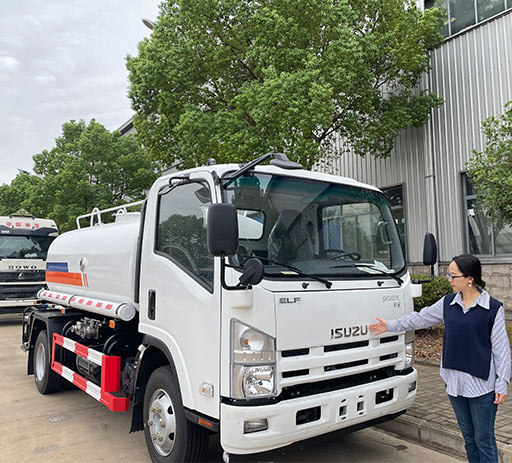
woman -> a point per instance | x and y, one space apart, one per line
476 353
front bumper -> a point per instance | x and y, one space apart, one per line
338 409
19 294
16 303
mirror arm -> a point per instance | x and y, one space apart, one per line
417 282
238 287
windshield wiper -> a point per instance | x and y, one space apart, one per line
299 272
373 267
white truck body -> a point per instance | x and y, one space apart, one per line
266 365
24 241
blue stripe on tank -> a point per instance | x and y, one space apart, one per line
57 267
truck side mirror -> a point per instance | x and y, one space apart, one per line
222 229
429 250
381 227
252 273
429 256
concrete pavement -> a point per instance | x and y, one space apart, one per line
431 420
70 426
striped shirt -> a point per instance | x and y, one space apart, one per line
459 383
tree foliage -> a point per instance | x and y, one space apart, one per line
490 170
88 167
22 193
237 78
431 292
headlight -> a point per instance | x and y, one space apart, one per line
409 348
254 381
252 362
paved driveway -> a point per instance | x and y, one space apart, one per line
70 426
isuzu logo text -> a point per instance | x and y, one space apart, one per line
349 331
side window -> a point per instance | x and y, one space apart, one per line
181 232
463 14
395 196
359 228
483 236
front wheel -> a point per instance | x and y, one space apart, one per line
47 381
170 437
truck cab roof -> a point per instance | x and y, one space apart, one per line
222 169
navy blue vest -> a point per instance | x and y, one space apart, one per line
467 337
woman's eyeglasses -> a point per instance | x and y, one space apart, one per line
452 277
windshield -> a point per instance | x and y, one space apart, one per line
24 247
320 228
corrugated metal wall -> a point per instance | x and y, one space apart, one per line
473 73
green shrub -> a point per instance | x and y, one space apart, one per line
432 292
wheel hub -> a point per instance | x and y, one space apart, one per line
40 363
162 422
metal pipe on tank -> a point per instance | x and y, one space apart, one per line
119 310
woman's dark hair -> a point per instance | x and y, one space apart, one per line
470 266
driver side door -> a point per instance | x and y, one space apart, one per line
180 296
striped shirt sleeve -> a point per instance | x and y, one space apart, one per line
428 316
501 352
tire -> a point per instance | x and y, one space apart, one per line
47 381
170 437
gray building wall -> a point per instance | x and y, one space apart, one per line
473 73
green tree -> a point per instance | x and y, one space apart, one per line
236 78
490 170
88 167
22 193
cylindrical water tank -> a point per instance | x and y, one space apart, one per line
97 262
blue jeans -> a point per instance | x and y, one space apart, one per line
476 416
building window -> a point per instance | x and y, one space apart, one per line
463 14
395 196
483 237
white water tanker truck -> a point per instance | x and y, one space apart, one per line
237 301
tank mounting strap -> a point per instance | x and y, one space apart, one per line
110 372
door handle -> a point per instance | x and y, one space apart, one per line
151 304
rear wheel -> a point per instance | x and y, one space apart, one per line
47 381
170 437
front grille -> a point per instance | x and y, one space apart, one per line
346 346
389 356
308 389
388 339
294 352
291 374
313 370
342 366
22 276
18 292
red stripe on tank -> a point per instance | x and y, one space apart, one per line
66 278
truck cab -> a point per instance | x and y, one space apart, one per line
290 357
24 243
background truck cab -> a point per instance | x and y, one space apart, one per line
24 243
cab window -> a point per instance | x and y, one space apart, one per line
181 233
